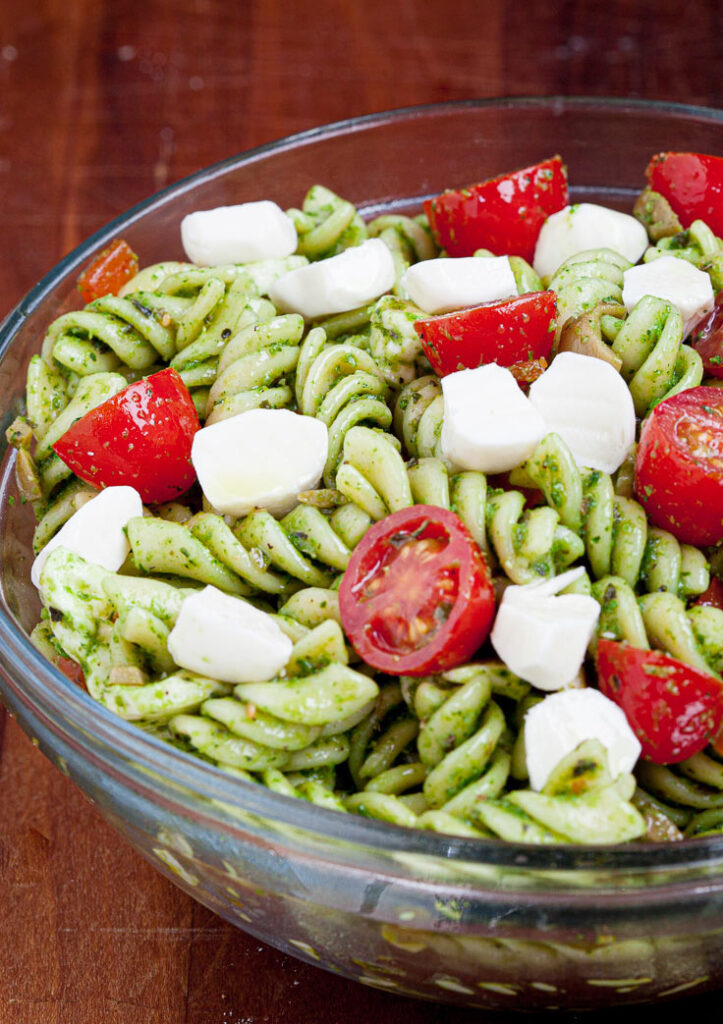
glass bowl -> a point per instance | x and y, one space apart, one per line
480 923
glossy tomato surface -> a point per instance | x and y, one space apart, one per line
417 596
675 710
517 330
693 185
707 340
108 272
679 465
504 214
141 437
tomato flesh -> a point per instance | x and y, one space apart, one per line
503 214
675 710
108 272
707 340
417 595
140 437
693 185
679 465
517 330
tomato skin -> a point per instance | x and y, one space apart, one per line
713 596
140 437
503 214
707 340
514 331
108 272
693 185
675 710
679 465
417 596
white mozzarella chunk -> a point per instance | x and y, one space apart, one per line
541 635
443 285
561 722
238 234
96 530
674 280
337 284
228 639
262 458
489 424
587 402
585 226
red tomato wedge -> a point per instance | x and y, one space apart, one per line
504 214
707 340
693 185
108 272
713 596
674 709
514 331
141 437
679 465
417 596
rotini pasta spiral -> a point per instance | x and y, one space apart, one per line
655 363
463 737
341 385
617 537
326 224
393 342
90 392
258 554
256 368
690 793
418 417
587 279
698 245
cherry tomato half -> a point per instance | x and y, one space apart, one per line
514 331
679 465
707 340
108 272
504 214
141 437
673 708
417 596
693 185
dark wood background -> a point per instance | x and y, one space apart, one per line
103 102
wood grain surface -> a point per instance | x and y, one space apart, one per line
101 104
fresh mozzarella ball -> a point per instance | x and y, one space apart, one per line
489 424
96 530
542 636
262 458
674 280
443 285
238 234
587 402
337 284
228 639
561 722
587 226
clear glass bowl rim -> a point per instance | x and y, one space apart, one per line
135 752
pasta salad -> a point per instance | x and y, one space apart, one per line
419 518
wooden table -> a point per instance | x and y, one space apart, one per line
101 104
